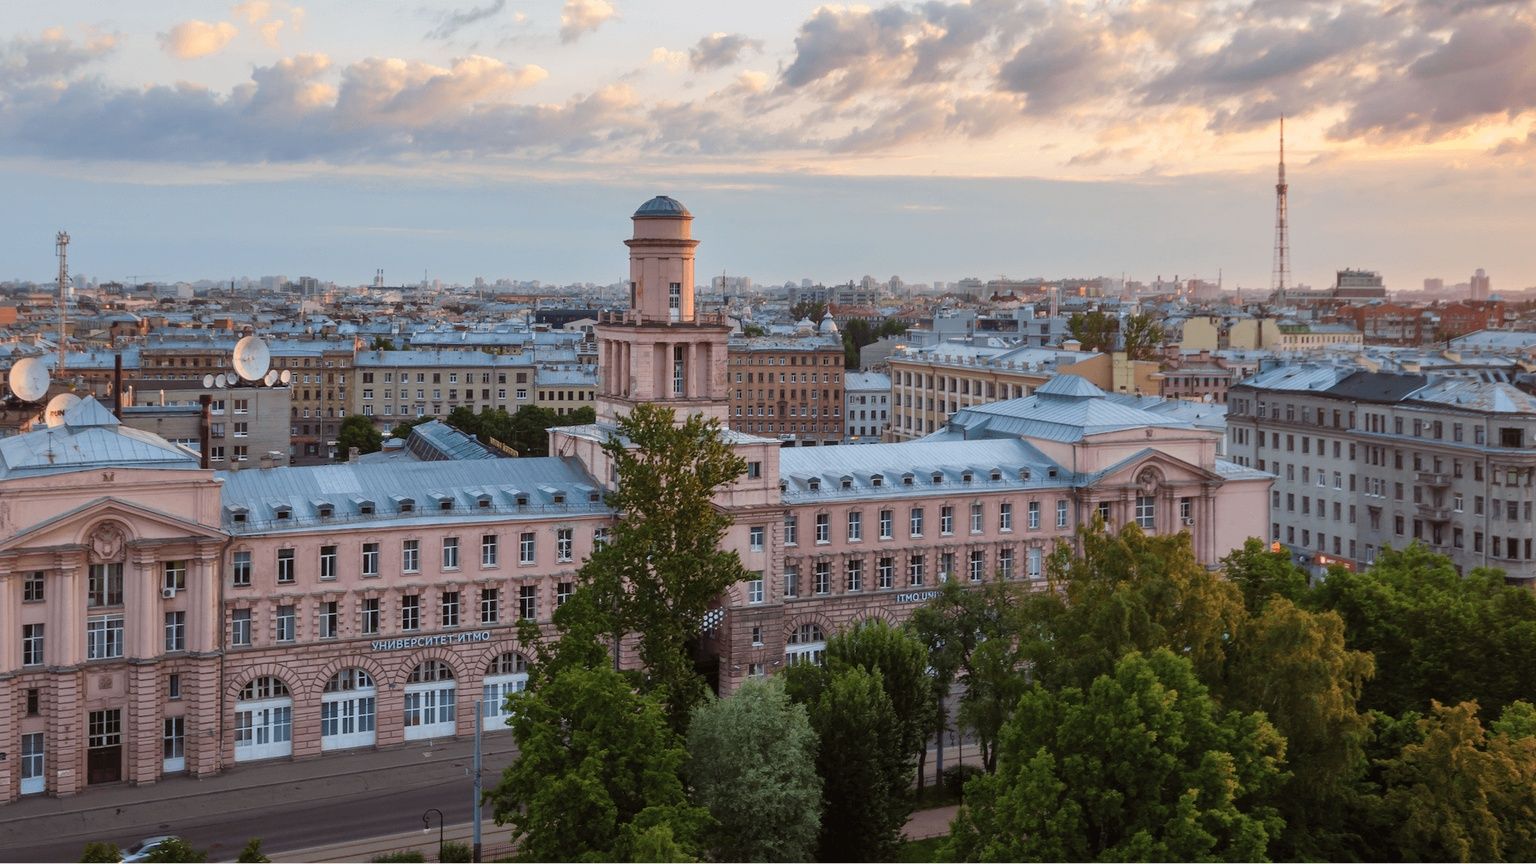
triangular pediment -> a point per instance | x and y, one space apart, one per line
134 521
1129 471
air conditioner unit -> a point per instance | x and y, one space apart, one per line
168 593
1189 520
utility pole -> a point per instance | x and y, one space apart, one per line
479 727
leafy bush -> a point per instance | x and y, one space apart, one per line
956 776
252 853
99 851
400 858
174 851
456 852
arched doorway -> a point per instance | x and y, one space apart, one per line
430 693
263 720
507 674
347 710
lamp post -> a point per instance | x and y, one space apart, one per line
426 825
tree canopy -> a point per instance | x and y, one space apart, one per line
357 431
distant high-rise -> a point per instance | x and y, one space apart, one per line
1281 275
1433 285
1482 285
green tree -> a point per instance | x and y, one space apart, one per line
1461 794
753 330
1094 330
175 850
1425 622
598 768
752 764
404 427
382 343
1143 765
357 431
898 658
1129 592
99 852
993 686
808 309
864 774
1261 573
1293 666
252 854
1142 336
663 566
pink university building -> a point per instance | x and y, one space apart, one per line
163 619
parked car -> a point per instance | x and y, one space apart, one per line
140 850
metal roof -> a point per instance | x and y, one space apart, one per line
1069 414
1019 465
89 438
662 205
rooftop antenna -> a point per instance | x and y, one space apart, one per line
1281 276
61 247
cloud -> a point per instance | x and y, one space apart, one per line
253 11
192 39
719 50
579 17
269 31
1061 66
673 60
51 56
452 22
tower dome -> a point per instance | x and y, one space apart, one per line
828 327
663 205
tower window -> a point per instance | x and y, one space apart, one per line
679 368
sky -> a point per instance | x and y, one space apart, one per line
932 140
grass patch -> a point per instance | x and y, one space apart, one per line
930 849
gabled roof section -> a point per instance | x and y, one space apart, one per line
1072 387
38 536
90 438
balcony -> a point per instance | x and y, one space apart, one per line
1434 479
1434 513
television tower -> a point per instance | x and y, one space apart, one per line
1281 277
61 248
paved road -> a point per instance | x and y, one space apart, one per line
300 814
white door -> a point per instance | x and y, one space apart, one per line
347 719
32 780
429 710
493 714
263 730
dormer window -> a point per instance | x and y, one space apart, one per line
783 485
1023 473
559 497
966 477
326 511
877 480
594 497
282 512
405 505
908 479
366 508
445 504
814 483
847 483
996 475
238 517
938 477
483 502
522 500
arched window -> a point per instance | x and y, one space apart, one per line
506 674
430 701
806 644
348 710
263 720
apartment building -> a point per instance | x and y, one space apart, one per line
866 406
1365 460
391 386
564 388
245 424
789 389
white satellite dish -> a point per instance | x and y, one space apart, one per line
270 378
221 380
285 377
252 358
57 406
208 381
29 379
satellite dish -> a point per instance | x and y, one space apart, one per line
57 406
270 378
207 381
29 379
252 358
221 380
286 377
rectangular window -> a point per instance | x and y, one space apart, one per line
978 565
410 612
410 556
1005 563
1033 515
240 568
490 605
916 521
565 544
104 637
528 602
976 518
563 592
527 551
370 616
450 553
285 624
886 572
915 570
946 520
240 627
327 563
450 609
755 538
105 586
1033 563
791 531
173 575
1061 513
329 619
175 631
370 559
1005 516
1146 512
31 644
855 525
854 572
285 566
823 577
173 686
886 519
755 588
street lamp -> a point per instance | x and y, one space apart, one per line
426 825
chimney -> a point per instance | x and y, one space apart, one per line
204 429
117 386
353 453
